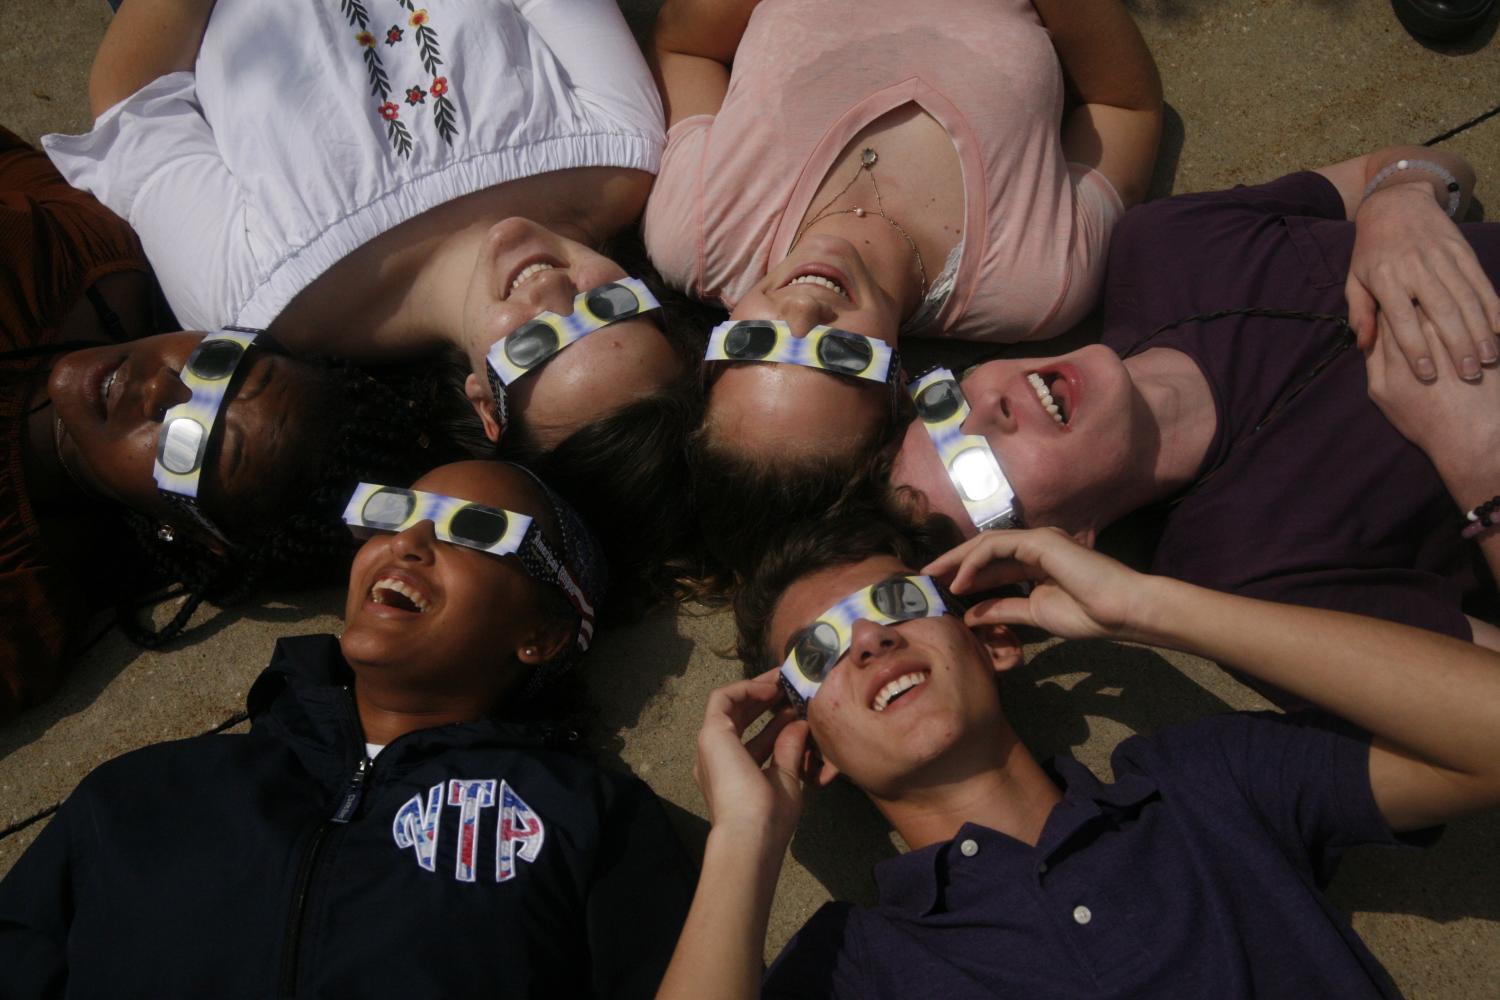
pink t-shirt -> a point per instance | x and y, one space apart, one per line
809 74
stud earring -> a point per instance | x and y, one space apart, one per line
165 533
530 650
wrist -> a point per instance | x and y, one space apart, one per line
1419 176
1155 612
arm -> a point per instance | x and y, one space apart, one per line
147 39
1116 124
754 813
1455 422
1412 264
693 46
1431 703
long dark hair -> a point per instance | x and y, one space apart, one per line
626 473
388 429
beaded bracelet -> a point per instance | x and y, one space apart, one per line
1482 518
1455 193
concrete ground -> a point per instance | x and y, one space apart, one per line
1255 88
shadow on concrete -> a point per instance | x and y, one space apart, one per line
1173 134
624 673
840 838
105 659
1458 878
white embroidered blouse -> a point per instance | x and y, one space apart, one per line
309 128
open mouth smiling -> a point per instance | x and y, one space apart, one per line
390 592
897 687
1054 393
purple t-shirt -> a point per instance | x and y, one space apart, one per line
1197 873
1326 504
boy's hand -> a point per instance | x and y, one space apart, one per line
1077 593
1411 262
752 787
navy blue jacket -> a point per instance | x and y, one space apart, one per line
480 859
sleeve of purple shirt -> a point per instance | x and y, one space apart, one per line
1304 778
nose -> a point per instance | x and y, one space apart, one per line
991 408
802 311
870 640
415 544
162 391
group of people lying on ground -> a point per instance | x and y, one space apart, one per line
461 276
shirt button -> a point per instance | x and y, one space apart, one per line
968 848
1082 914
1041 868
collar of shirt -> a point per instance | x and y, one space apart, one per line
913 883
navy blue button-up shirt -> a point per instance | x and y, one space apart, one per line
1197 873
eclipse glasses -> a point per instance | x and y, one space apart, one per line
817 648
971 465
537 340
824 347
187 428
472 525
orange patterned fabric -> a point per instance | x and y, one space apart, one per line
55 242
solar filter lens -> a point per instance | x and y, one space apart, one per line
899 599
181 445
478 527
610 301
939 401
388 508
532 344
215 360
750 341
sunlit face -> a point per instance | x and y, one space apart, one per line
111 401
1066 467
445 619
883 745
525 269
768 408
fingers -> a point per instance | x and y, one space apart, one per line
759 746
789 757
1398 322
1001 611
737 705
1453 323
1361 312
959 566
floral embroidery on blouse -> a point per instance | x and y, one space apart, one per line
444 112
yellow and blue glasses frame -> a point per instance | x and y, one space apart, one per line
826 348
817 648
492 530
187 428
460 522
539 339
971 465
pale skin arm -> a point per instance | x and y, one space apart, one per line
1431 703
147 39
692 48
1116 125
754 795
1412 275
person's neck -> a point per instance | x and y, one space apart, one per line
886 254
386 714
1178 408
1008 792
407 287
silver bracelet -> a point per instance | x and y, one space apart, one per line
1455 193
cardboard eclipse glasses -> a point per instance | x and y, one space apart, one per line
497 532
817 649
971 464
187 429
536 341
826 348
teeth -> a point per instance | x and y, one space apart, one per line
1045 395
528 272
377 593
108 382
901 684
820 281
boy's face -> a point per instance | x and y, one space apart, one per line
442 619
932 728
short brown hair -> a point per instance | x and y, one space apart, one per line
856 532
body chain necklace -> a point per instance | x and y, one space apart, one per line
867 159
